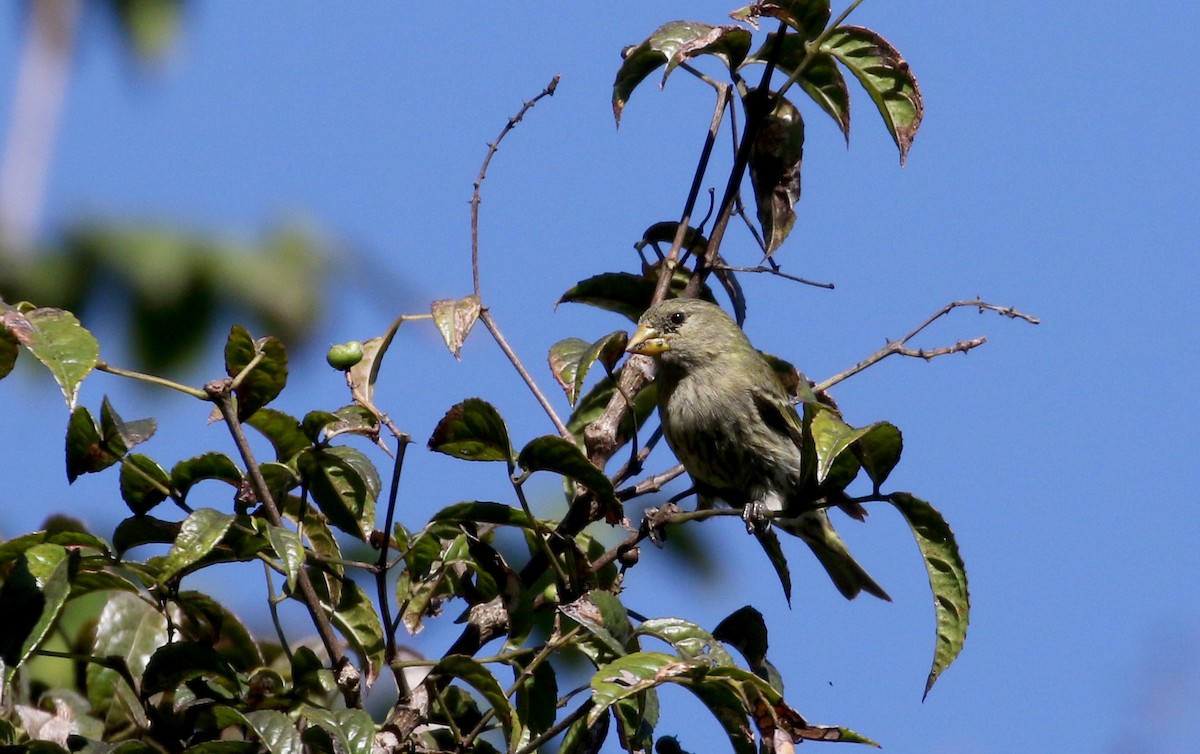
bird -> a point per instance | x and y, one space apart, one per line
728 418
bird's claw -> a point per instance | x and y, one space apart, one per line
756 518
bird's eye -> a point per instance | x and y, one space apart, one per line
677 318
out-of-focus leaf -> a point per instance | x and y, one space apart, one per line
454 319
120 436
879 451
181 661
263 383
473 431
283 431
33 595
344 484
9 349
483 513
886 77
144 484
770 545
775 158
186 473
72 540
537 697
198 535
947 579
674 43
553 453
821 79
150 26
210 623
132 630
142 530
85 448
56 339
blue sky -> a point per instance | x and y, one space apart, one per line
1055 171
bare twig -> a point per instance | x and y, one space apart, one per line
485 316
899 347
773 271
476 198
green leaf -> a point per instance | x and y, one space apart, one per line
130 630
553 453
879 451
886 77
770 545
664 233
571 359
31 599
179 662
9 349
142 530
603 615
674 43
774 164
198 535
289 549
477 677
210 623
454 319
344 484
353 728
276 730
821 79
537 697
745 630
585 738
473 431
807 17
353 419
118 435
947 579
626 293
185 474
632 674
362 376
56 339
833 439
86 453
484 513
688 639
13 548
283 432
144 484
149 26
266 380
355 617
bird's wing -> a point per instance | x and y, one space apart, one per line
780 416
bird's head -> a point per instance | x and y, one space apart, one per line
685 331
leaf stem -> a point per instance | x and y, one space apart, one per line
104 366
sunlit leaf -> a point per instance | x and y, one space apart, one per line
56 339
198 535
671 44
363 375
879 451
572 359
483 513
947 579
454 319
289 549
688 639
282 430
821 78
132 630
886 77
473 431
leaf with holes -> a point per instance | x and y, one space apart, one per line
947 579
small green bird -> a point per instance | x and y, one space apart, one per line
728 420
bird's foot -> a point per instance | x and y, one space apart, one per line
756 518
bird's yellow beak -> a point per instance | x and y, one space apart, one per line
647 341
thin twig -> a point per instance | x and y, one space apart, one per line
485 316
104 366
773 271
476 198
549 734
899 347
381 565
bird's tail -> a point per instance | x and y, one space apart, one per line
818 533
